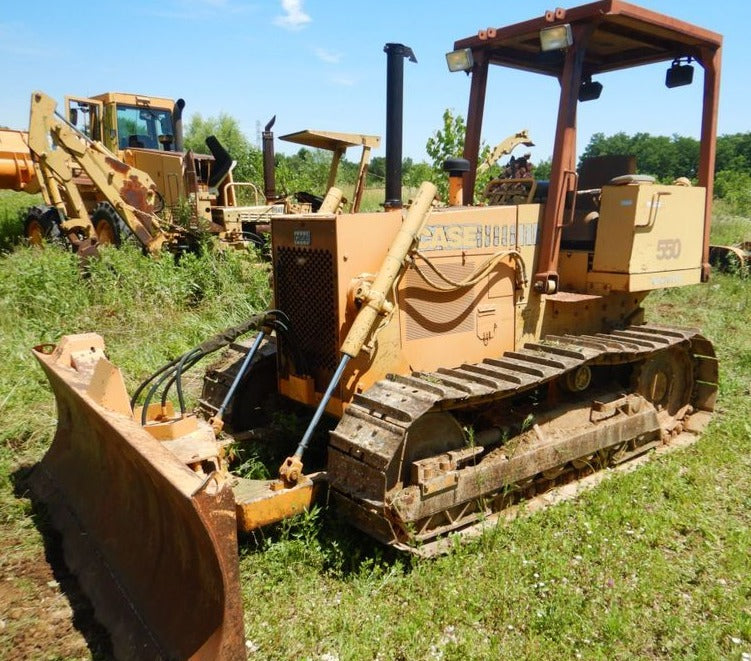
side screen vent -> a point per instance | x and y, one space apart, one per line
306 293
430 312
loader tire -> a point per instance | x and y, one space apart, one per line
107 224
40 225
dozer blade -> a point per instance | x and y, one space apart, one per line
153 543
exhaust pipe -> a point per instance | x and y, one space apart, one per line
177 120
269 174
395 54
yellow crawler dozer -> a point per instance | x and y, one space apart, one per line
476 357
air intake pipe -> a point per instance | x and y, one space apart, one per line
395 54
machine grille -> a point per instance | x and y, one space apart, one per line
306 291
431 312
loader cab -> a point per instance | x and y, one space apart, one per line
127 121
666 242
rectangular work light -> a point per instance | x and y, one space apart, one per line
556 38
460 60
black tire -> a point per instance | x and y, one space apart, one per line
41 224
108 225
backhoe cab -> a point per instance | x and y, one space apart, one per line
123 121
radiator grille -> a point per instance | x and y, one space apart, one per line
431 312
306 291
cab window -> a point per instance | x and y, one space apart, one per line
145 128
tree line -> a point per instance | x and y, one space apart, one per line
668 158
664 157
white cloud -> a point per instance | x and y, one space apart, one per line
294 17
328 56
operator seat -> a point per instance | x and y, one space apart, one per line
141 142
594 173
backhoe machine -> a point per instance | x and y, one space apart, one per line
472 357
61 156
137 138
92 163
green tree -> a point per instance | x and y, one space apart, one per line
446 142
666 158
307 170
377 171
734 152
542 169
735 188
415 173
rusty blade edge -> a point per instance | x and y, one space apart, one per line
157 558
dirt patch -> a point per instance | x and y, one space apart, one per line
43 613
665 309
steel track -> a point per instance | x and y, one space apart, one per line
366 468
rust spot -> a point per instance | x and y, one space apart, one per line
117 166
46 349
136 194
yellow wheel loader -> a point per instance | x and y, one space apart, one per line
146 133
62 156
476 357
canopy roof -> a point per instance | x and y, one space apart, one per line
624 36
331 140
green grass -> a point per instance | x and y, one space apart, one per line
13 206
653 564
373 198
727 227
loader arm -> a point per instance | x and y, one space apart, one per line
131 192
504 148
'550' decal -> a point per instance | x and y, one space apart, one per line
668 249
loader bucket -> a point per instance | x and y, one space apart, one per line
153 543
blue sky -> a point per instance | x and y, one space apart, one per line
320 64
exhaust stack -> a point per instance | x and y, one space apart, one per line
177 120
456 167
269 174
395 54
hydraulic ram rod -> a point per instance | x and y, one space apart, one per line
374 305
